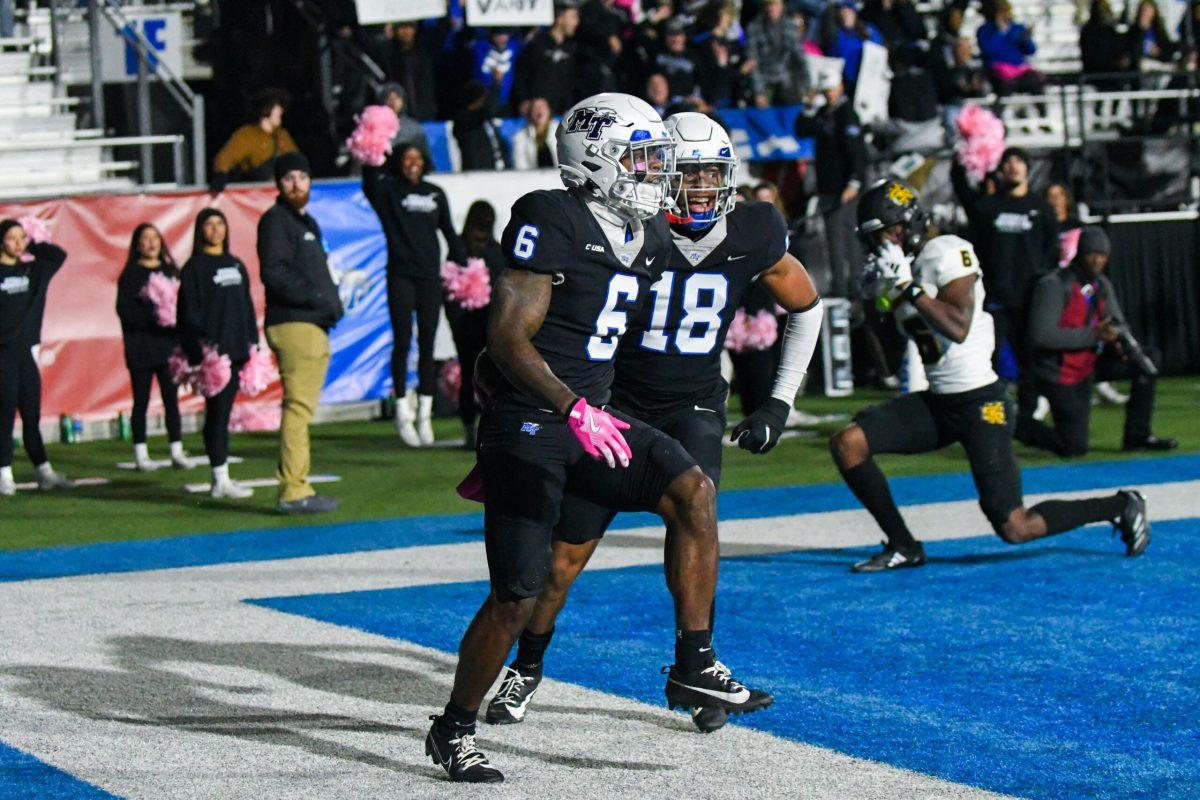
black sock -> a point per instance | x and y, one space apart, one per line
531 650
1065 515
871 488
456 719
693 650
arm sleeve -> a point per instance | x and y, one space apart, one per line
275 265
252 321
455 248
1024 41
371 178
50 256
537 237
1112 304
189 315
232 154
799 342
1044 312
135 313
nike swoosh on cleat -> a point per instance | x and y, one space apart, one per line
731 697
702 408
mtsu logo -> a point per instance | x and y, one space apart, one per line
591 122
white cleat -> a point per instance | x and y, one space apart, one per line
230 490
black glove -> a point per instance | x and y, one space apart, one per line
760 431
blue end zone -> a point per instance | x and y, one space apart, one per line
23 777
1057 669
280 543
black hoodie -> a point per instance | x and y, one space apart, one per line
23 294
215 307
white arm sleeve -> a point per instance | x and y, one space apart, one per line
799 343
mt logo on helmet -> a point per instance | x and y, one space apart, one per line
591 122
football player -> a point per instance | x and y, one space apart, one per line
580 261
668 374
931 287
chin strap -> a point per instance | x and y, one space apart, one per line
799 343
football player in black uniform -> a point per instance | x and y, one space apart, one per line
580 262
668 374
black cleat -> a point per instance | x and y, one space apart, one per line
712 687
457 754
512 699
892 557
708 720
1133 523
1151 443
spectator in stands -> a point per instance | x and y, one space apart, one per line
215 311
25 272
777 68
1147 37
1073 314
410 131
1015 235
479 141
658 94
250 153
302 305
722 67
495 56
913 115
469 326
408 62
1005 47
949 32
1100 44
1063 204
768 192
957 81
601 23
897 21
676 61
548 66
843 36
148 343
535 145
841 163
411 212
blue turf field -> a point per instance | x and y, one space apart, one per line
1052 670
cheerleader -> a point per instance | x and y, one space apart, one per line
25 272
215 312
145 303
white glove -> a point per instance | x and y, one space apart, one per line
896 266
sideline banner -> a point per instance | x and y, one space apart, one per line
82 360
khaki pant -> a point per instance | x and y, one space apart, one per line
302 350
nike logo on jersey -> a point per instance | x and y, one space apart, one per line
737 258
649 260
740 696
702 408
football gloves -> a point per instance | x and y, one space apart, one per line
600 433
760 431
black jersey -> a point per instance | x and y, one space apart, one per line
672 354
597 286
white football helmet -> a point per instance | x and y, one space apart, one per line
616 148
708 167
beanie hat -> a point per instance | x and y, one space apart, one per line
1093 239
291 161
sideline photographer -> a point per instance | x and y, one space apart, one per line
1079 335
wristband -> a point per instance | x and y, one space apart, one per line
910 293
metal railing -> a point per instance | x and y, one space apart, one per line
100 12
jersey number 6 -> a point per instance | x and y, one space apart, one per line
612 321
526 242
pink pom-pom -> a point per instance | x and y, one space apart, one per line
469 286
213 374
1068 246
162 291
371 141
980 141
450 379
751 332
257 373
34 228
251 417
181 370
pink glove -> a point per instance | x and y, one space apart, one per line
600 433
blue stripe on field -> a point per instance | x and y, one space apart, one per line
318 540
23 777
1057 669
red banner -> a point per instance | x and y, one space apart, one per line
82 361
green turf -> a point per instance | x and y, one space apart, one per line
381 479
